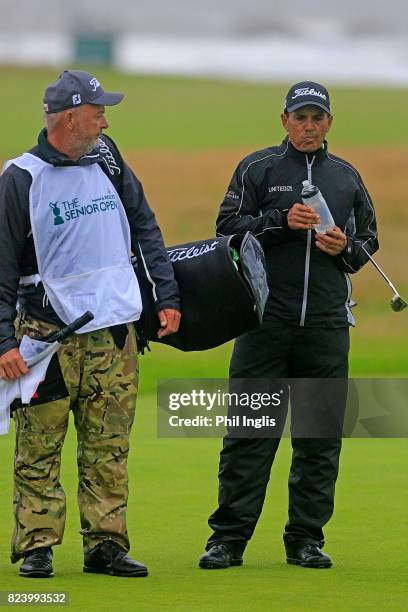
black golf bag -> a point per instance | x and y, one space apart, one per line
223 290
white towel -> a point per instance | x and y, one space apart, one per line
37 355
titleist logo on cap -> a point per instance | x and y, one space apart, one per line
307 91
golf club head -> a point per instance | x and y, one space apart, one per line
397 303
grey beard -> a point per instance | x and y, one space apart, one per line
86 148
92 146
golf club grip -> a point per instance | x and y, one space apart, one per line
61 334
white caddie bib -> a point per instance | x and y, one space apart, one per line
82 242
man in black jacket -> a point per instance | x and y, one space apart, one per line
305 333
71 214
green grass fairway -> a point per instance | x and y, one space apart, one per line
368 358
173 489
182 113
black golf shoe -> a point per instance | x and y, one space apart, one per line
109 558
220 556
307 555
37 564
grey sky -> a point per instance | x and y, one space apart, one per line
216 17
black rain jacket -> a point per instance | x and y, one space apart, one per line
307 287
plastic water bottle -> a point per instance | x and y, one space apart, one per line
311 196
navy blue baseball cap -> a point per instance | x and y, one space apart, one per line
76 87
307 93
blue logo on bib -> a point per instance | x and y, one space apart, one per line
58 220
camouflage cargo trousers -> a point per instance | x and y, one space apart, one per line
102 383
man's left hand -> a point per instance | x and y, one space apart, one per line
169 321
332 242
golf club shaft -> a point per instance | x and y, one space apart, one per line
380 271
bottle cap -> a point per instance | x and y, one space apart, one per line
308 190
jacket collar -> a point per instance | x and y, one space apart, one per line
296 154
51 155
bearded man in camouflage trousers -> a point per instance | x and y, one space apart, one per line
71 214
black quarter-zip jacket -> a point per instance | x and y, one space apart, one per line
307 287
17 252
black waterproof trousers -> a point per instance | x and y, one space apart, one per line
276 350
